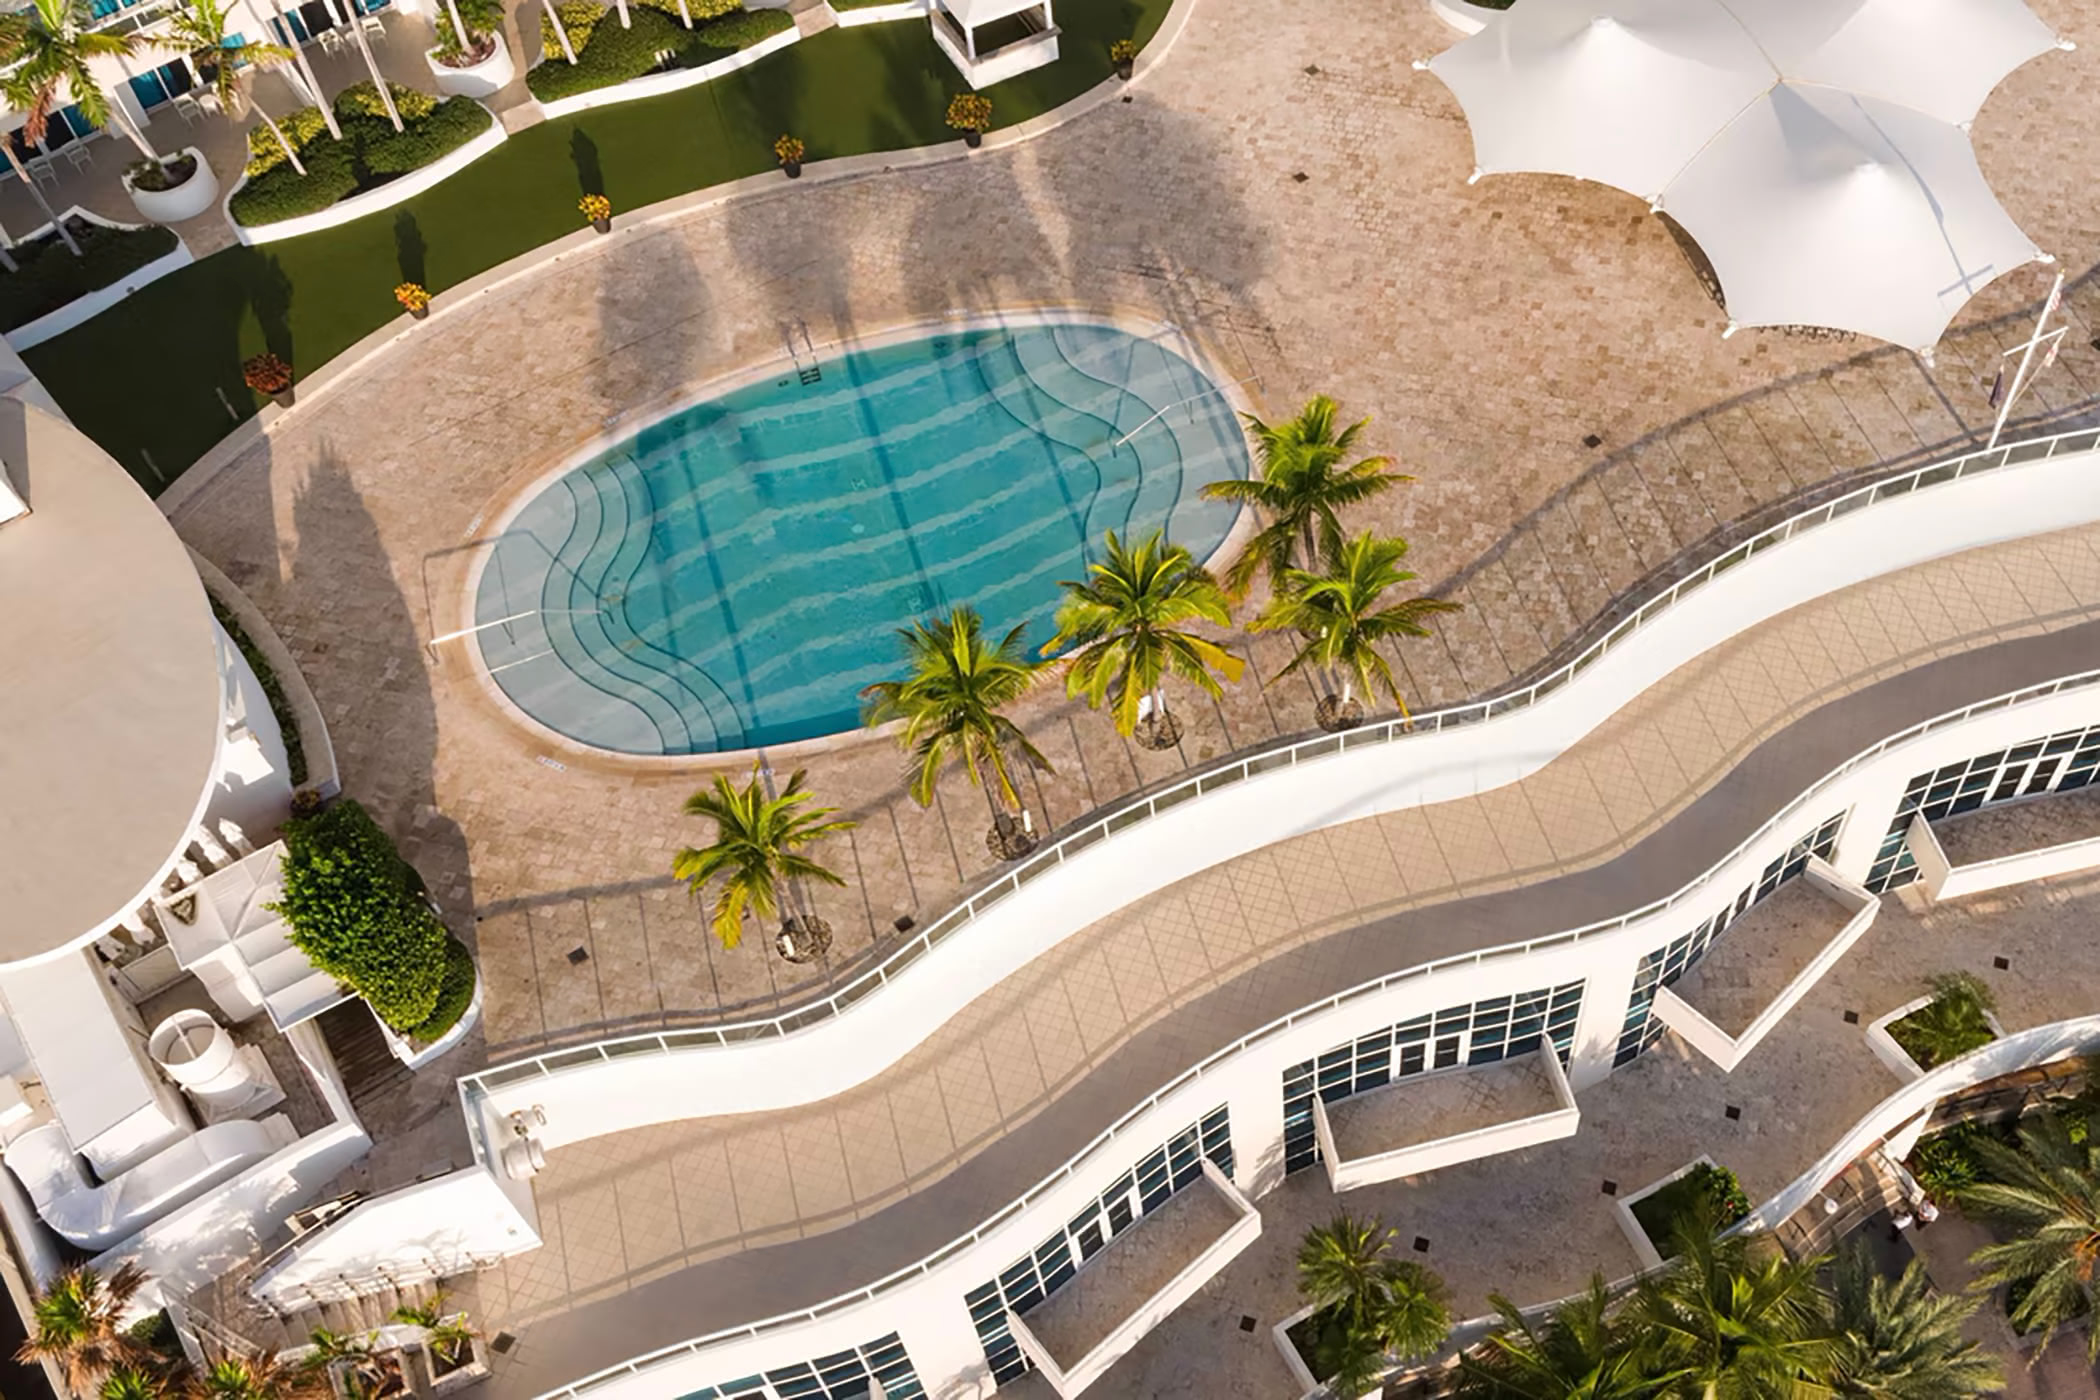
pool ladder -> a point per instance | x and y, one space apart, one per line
804 354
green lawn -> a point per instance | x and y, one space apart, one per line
156 380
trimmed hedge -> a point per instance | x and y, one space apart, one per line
580 17
455 994
359 913
656 42
51 276
273 689
370 153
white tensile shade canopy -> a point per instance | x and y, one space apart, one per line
1815 149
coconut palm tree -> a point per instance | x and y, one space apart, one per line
1126 621
1898 1340
200 29
1579 1352
50 44
757 853
2047 1189
1368 1306
1952 1024
76 1323
1305 481
950 707
132 1383
1724 1321
1342 614
256 1378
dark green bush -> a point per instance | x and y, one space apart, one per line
1706 1191
656 41
51 276
454 994
370 154
358 912
1946 1162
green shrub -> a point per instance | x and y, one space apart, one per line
50 276
656 41
482 18
1949 1026
579 17
273 690
358 912
370 153
1947 1162
454 994
1706 1190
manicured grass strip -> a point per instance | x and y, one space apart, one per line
616 55
156 380
50 276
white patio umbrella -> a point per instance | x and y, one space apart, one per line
1755 123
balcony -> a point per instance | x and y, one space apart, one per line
1123 1292
1422 1122
2007 845
1765 962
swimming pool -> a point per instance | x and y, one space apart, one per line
733 574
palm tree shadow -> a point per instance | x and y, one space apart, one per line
410 251
583 153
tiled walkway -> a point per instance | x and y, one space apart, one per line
1002 1094
1490 329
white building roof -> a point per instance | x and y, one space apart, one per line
109 690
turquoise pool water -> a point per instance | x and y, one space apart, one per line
732 575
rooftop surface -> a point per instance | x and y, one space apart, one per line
673 1231
110 688
2019 827
1758 955
1417 1110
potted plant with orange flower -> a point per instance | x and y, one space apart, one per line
414 299
266 374
789 149
971 114
598 209
1123 53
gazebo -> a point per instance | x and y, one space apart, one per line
992 40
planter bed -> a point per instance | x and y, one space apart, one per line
1658 1210
370 155
657 43
51 277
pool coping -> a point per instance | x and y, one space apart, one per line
199 474
512 498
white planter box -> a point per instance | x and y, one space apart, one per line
85 308
414 1058
185 201
1309 1388
393 192
656 84
1648 1251
485 79
1890 1052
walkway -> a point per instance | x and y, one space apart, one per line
784 1210
350 525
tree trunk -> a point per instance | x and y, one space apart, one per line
561 32
625 22
459 26
685 14
64 234
131 128
277 131
306 71
357 35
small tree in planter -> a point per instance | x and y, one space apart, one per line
971 114
266 374
476 28
1123 53
451 1338
598 209
1367 1305
359 912
789 150
1954 1022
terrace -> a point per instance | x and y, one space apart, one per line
1419 1124
2003 845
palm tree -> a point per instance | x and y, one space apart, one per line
52 42
1338 611
757 853
1580 1352
950 707
450 1336
1367 1305
1898 1340
1126 621
2048 1190
1723 1322
201 30
1304 484
1952 1024
77 1321
259 1378
131 1383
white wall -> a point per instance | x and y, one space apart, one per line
1347 1174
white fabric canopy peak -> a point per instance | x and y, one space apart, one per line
1816 149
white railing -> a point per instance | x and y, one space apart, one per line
653 1044
1251 764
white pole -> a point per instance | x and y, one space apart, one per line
2020 380
560 32
313 84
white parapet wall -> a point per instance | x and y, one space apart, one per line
1347 1174
1727 1051
657 84
1944 880
388 195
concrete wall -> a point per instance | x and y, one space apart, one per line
1944 880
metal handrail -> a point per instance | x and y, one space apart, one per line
1260 761
1124 1124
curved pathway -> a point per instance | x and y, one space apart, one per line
668 1232
1490 328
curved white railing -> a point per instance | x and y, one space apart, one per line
1143 809
1949 1077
